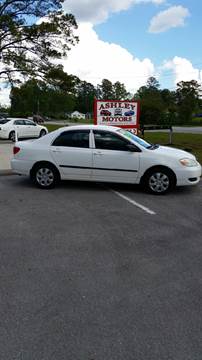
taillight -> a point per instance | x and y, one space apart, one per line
16 149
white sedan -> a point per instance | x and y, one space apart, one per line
24 128
103 153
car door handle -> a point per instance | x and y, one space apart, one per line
98 153
56 150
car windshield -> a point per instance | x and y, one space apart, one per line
3 121
135 138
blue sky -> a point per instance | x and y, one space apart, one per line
130 30
167 34
131 40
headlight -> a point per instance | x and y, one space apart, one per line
188 162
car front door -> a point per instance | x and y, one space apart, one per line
72 153
112 158
31 129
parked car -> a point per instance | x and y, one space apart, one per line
129 113
23 127
105 112
103 153
38 119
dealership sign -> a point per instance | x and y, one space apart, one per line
119 113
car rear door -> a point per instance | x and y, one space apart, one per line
20 127
112 159
72 153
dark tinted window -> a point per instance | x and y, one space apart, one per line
3 121
109 141
77 138
30 123
19 122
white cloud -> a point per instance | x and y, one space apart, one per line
4 90
170 18
4 96
183 70
96 11
93 60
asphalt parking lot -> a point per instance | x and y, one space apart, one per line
99 272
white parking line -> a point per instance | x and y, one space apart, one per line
144 208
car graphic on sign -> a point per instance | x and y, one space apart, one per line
129 113
105 112
118 112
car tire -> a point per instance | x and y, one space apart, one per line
45 176
42 133
12 136
159 180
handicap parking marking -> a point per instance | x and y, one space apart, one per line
134 203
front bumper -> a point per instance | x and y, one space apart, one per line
189 175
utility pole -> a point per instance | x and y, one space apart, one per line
200 82
38 106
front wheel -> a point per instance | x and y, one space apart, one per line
42 133
159 181
45 176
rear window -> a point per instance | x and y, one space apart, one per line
78 138
4 121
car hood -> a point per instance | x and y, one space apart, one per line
174 152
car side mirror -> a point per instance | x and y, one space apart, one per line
133 148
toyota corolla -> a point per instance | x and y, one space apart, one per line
24 128
104 153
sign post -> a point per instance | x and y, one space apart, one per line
121 113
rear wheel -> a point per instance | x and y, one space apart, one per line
159 181
12 136
45 176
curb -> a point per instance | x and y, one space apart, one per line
6 172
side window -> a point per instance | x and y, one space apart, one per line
77 138
109 141
19 122
30 123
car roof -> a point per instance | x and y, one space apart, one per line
90 127
11 118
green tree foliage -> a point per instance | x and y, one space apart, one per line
120 92
37 97
85 94
106 90
109 91
170 108
32 34
187 100
60 80
152 84
59 93
152 106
